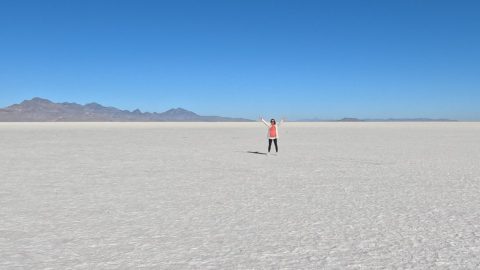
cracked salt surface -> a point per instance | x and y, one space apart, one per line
191 196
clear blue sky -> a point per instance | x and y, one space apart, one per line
299 59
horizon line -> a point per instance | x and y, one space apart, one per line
302 119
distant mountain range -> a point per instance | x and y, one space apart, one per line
349 119
44 110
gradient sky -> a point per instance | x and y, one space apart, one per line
298 59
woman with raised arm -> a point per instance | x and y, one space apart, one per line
272 132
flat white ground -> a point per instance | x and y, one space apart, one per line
190 196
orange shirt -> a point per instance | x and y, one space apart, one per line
273 131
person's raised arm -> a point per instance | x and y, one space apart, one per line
265 122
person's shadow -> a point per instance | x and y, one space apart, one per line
256 152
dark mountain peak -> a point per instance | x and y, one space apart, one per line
36 100
33 104
179 112
94 105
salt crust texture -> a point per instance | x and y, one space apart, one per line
191 196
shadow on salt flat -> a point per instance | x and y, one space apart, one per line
256 152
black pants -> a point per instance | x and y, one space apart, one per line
270 144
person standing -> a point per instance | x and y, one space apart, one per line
272 133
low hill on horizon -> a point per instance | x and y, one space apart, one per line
44 110
351 119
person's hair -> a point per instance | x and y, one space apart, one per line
274 122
